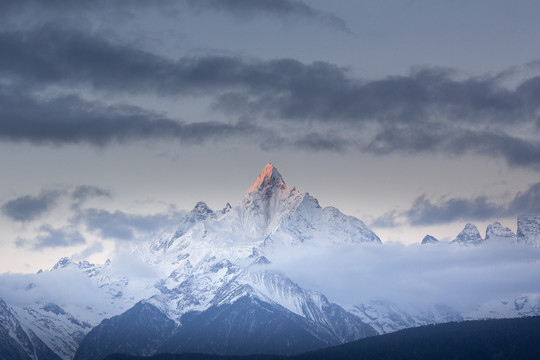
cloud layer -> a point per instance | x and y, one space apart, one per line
71 120
28 207
459 276
121 226
80 221
247 8
427 111
52 238
425 212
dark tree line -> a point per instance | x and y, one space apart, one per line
480 339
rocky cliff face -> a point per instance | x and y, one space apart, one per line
17 342
528 230
469 236
497 232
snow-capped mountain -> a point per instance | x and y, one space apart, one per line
469 236
256 311
18 342
386 316
497 232
428 239
213 277
215 265
528 230
62 323
213 259
525 305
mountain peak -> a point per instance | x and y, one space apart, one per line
201 211
269 177
62 263
496 231
528 229
428 239
469 235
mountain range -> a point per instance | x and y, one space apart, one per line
211 284
527 233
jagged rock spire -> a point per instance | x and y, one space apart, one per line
528 229
268 178
496 231
469 236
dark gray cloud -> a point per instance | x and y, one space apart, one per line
56 55
52 238
288 89
71 120
321 142
17 6
452 140
247 8
29 207
83 192
425 212
386 220
48 10
425 112
122 226
526 202
53 55
281 88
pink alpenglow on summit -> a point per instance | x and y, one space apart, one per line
269 177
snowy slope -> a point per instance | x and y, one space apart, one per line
497 232
385 316
211 248
469 236
215 258
528 230
18 342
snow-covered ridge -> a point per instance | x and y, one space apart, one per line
428 239
528 232
469 235
496 231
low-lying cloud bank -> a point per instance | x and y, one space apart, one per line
459 276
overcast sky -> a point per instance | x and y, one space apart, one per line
117 117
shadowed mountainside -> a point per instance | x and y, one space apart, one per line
480 339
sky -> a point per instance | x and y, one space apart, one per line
117 117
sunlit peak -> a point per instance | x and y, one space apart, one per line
268 177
